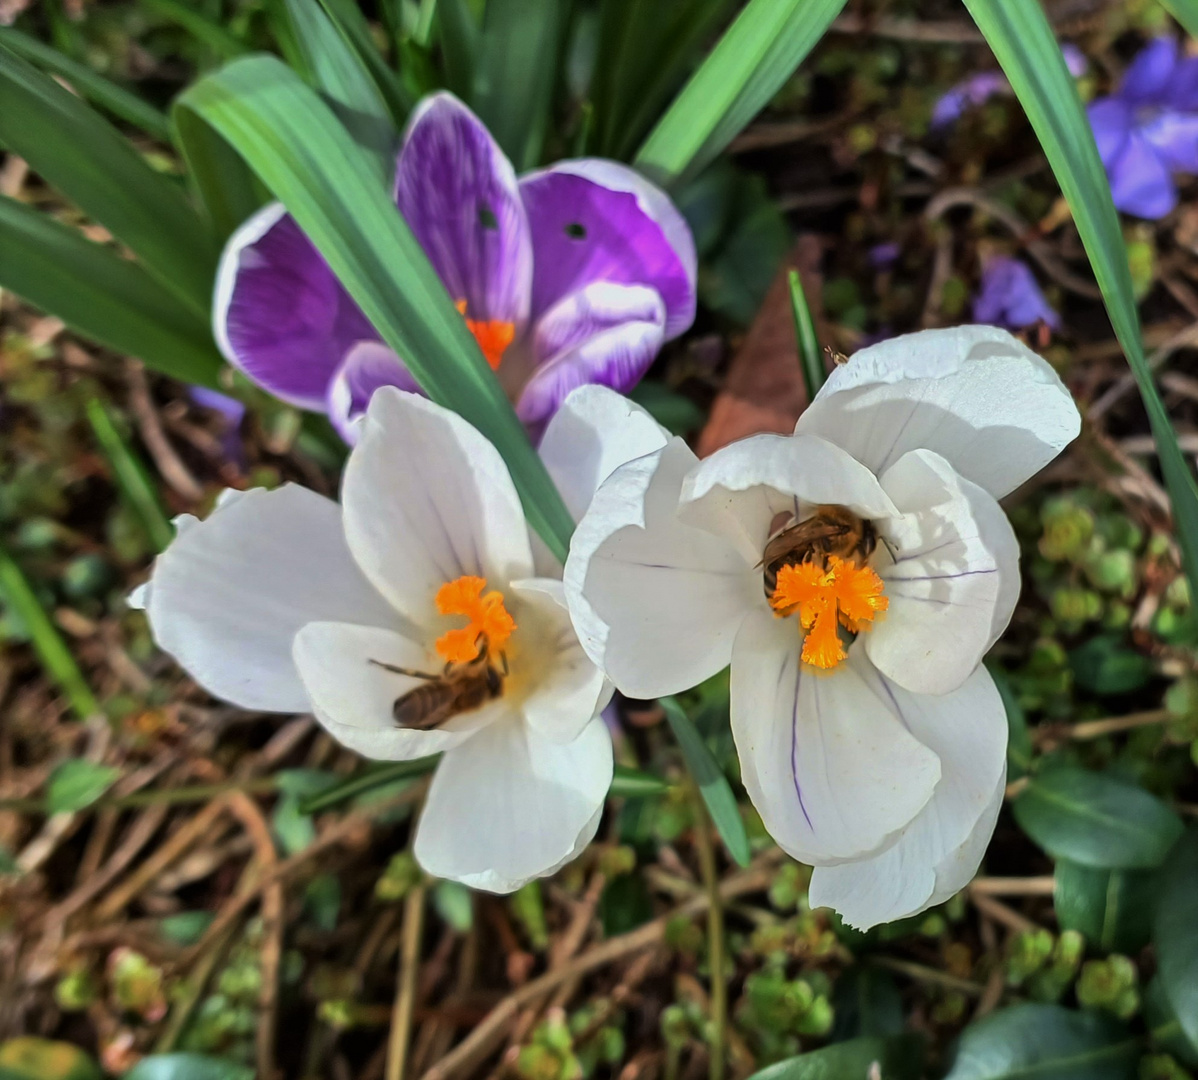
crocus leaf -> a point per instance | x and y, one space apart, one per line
226 186
102 296
1185 12
814 372
78 783
200 26
107 95
333 189
132 479
712 783
19 598
899 1057
1096 820
1176 934
1021 37
339 72
631 783
85 158
515 76
748 66
1047 1042
460 34
1112 909
347 16
645 52
369 779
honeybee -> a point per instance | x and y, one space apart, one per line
459 688
831 530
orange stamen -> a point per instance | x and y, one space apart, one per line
493 336
843 593
489 619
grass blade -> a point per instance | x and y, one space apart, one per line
713 784
749 64
338 71
460 34
634 783
199 26
349 20
645 52
514 86
812 360
1020 36
85 158
226 186
131 477
1185 12
102 296
56 658
370 778
333 188
98 90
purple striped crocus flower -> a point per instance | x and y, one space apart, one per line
1148 129
568 275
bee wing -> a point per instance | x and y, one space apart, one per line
804 534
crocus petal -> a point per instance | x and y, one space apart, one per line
279 313
366 367
939 852
955 579
974 394
595 220
1174 137
739 490
426 500
1011 297
459 196
1147 78
509 805
568 689
656 603
352 694
826 757
606 334
1141 183
1111 120
230 593
592 434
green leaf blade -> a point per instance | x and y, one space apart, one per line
712 783
102 296
76 784
1176 935
81 155
899 1057
328 183
1046 1042
758 53
1096 820
1022 40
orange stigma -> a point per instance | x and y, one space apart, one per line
489 619
843 593
492 335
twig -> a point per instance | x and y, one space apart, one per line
1026 234
1013 886
920 973
1000 913
170 465
405 997
715 935
270 955
481 1040
1097 729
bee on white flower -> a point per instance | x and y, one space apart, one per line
424 576
854 574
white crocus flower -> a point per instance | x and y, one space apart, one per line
284 601
881 762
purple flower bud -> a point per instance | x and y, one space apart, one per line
1010 297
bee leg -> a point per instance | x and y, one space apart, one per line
403 670
503 660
